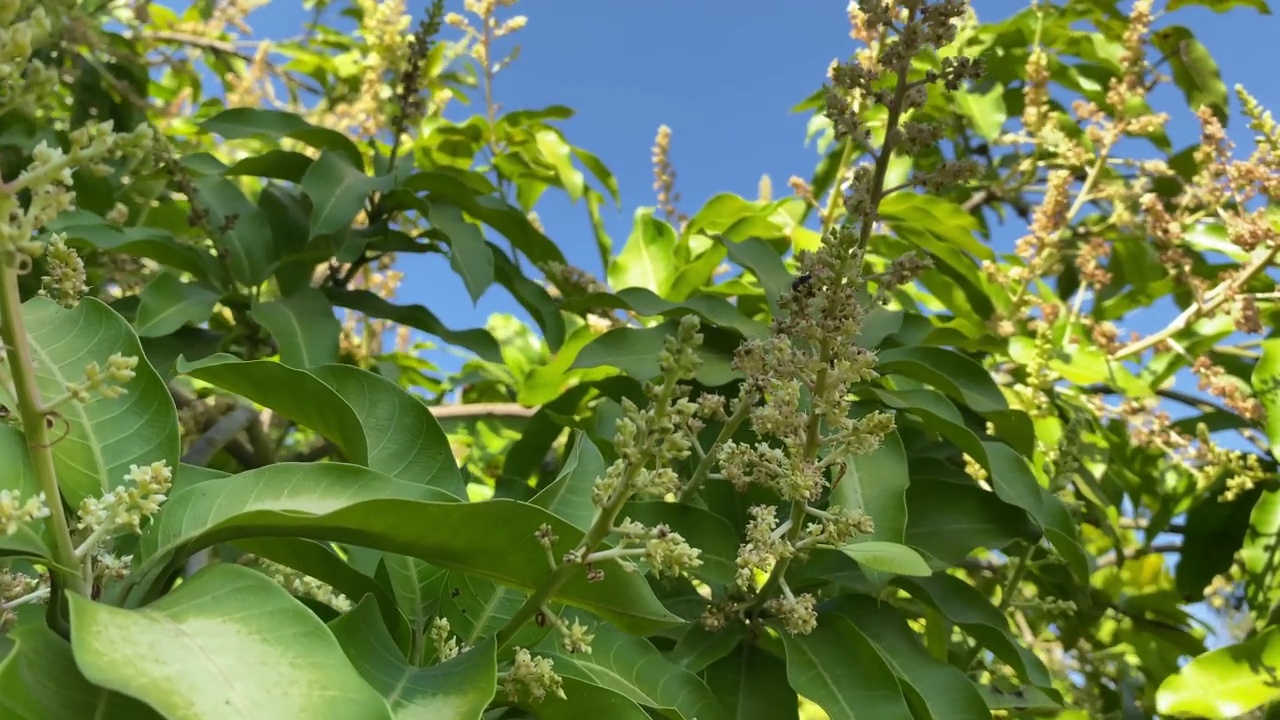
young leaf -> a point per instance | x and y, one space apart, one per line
223 626
304 326
459 688
1224 683
648 260
167 304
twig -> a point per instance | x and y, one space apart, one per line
218 436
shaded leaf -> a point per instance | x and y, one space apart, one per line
304 326
569 495
241 232
458 689
838 668
470 254
338 190
237 123
478 340
752 684
167 304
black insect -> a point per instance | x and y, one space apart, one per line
801 282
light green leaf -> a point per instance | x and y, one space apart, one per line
838 668
876 484
167 303
470 254
212 649
39 680
338 190
416 586
763 261
1194 70
888 557
349 504
1221 6
569 495
1266 387
1225 683
477 608
558 153
304 325
648 260
102 438
275 164
458 689
985 110
631 666
645 303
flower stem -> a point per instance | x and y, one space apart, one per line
39 439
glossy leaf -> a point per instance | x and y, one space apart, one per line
223 626
1225 683
304 326
350 504
458 689
167 304
947 370
104 436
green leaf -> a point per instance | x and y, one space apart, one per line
965 606
532 296
39 680
350 504
569 495
477 608
635 351
558 152
478 341
947 370
1266 387
934 689
763 261
948 520
272 125
458 689
1194 71
648 260
698 648
416 586
374 421
492 211
304 326
888 557
470 254
984 110
1212 535
1221 6
645 303
838 668
85 229
943 220
876 484
167 304
225 627
1225 683
243 235
275 164
751 684
703 529
20 477
102 438
338 190
587 700
631 666
1259 555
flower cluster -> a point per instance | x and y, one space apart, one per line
17 589
125 506
64 278
531 677
15 512
106 382
444 641
300 584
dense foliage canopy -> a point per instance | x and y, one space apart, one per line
834 454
